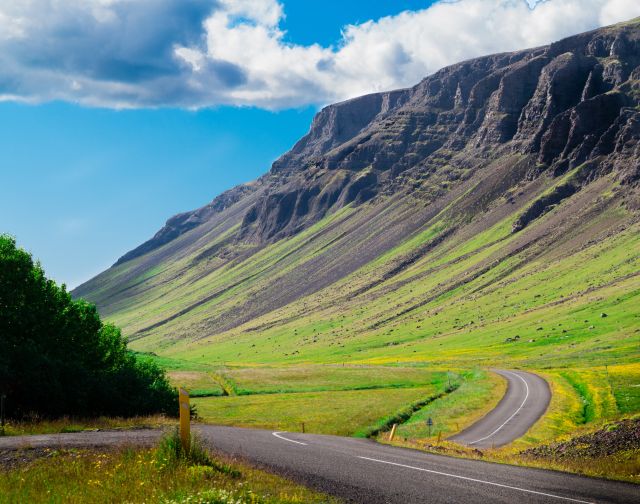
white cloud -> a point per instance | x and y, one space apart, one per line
197 53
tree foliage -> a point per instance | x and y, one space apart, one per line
58 358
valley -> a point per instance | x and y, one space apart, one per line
487 217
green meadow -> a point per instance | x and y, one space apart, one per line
336 412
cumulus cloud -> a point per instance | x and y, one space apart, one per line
199 53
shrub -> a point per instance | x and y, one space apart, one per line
58 358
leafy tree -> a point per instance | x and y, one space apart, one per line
58 358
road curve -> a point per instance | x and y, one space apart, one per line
362 471
524 402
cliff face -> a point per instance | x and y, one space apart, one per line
518 132
572 102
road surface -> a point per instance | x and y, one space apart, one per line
362 471
525 400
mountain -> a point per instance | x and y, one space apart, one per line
496 201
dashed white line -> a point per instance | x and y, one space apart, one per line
278 435
477 480
514 414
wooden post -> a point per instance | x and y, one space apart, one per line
303 427
185 420
393 432
439 437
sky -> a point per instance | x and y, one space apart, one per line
117 114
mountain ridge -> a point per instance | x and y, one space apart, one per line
339 123
540 143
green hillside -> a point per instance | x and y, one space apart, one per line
561 295
487 217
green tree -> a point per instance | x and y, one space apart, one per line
58 358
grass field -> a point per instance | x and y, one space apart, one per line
624 381
261 380
198 383
139 476
345 400
335 412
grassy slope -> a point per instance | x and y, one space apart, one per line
453 304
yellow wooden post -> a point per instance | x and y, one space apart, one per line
439 437
393 432
185 419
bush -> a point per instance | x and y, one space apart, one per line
58 358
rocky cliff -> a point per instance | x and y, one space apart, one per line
572 102
520 134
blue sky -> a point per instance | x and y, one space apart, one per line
116 115
82 186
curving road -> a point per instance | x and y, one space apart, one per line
362 471
524 402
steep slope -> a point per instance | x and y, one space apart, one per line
497 198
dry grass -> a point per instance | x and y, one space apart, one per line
70 424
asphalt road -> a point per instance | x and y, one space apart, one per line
362 471
525 400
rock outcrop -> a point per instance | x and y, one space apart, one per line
568 103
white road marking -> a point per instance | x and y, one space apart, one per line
477 480
514 414
277 434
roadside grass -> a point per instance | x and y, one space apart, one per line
69 424
137 476
562 415
478 393
593 390
621 466
333 412
606 449
584 398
